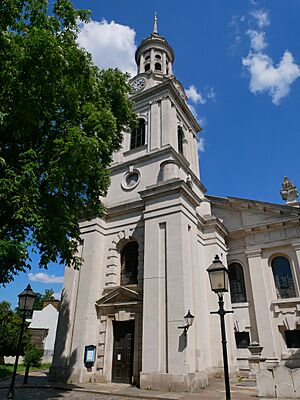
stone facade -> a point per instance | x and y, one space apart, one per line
157 204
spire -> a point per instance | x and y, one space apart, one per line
155 25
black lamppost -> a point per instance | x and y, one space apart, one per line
26 300
218 276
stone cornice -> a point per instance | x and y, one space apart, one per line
242 204
170 186
215 223
125 207
266 225
152 155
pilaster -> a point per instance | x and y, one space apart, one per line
261 304
296 248
155 125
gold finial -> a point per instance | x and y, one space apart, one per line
155 24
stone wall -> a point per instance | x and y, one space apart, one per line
281 382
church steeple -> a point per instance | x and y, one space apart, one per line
155 25
155 54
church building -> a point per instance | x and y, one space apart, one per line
145 261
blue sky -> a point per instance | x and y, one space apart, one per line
239 62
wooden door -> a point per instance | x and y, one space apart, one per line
123 352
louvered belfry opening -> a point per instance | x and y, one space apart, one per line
129 264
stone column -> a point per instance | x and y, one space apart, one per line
152 60
155 125
256 361
141 67
296 270
166 121
164 63
261 304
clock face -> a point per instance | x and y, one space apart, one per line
137 85
180 90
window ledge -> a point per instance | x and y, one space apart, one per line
136 150
240 305
291 303
291 353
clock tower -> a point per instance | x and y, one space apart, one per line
166 127
145 259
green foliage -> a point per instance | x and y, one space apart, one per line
33 356
40 298
7 369
61 118
10 324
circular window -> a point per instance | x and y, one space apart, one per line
131 180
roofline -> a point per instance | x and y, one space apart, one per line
232 199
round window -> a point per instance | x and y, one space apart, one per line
131 180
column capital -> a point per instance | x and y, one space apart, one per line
296 246
253 253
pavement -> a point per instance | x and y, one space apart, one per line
38 388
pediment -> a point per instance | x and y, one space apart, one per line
119 295
237 213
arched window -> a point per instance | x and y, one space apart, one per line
180 137
157 67
283 278
158 56
147 67
237 283
138 135
129 263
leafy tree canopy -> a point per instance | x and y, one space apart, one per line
61 118
33 356
10 324
40 298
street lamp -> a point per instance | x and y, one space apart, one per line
188 319
26 300
218 276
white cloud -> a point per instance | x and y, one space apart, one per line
261 17
57 295
45 278
195 96
274 80
111 44
201 144
211 94
265 76
258 41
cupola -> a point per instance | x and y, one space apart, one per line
155 54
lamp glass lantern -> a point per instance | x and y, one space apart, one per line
218 276
189 319
26 299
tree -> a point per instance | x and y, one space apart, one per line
10 323
40 298
61 118
32 358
